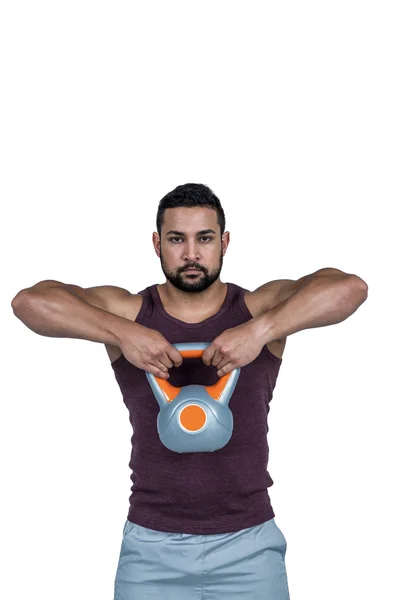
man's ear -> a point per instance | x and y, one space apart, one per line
156 243
225 241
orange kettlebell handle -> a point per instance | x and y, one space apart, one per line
171 391
191 353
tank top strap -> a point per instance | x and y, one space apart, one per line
240 301
147 307
155 297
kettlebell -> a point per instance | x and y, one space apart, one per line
194 418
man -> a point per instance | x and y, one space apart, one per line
199 522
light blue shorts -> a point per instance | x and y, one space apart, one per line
247 564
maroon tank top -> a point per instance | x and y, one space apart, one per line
199 492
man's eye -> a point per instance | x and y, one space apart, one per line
205 237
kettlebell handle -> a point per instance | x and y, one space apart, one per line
196 350
190 353
191 349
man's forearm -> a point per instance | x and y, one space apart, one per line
322 300
60 313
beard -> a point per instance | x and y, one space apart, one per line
191 283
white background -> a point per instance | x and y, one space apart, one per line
289 111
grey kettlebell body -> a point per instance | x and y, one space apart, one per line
194 418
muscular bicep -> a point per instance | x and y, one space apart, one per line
106 297
270 294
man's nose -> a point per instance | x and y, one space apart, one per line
191 251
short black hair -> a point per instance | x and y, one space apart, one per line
190 194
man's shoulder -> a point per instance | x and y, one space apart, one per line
239 287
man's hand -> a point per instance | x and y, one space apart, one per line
148 349
235 347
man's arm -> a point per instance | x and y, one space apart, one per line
323 298
55 309
272 293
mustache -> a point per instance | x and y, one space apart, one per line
187 268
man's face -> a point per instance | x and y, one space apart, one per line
191 239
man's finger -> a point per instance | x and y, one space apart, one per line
157 371
208 354
226 369
217 358
161 366
167 362
175 356
224 361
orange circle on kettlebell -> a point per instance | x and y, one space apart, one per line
193 417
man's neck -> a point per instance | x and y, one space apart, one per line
211 297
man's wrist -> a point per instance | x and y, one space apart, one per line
262 328
117 328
